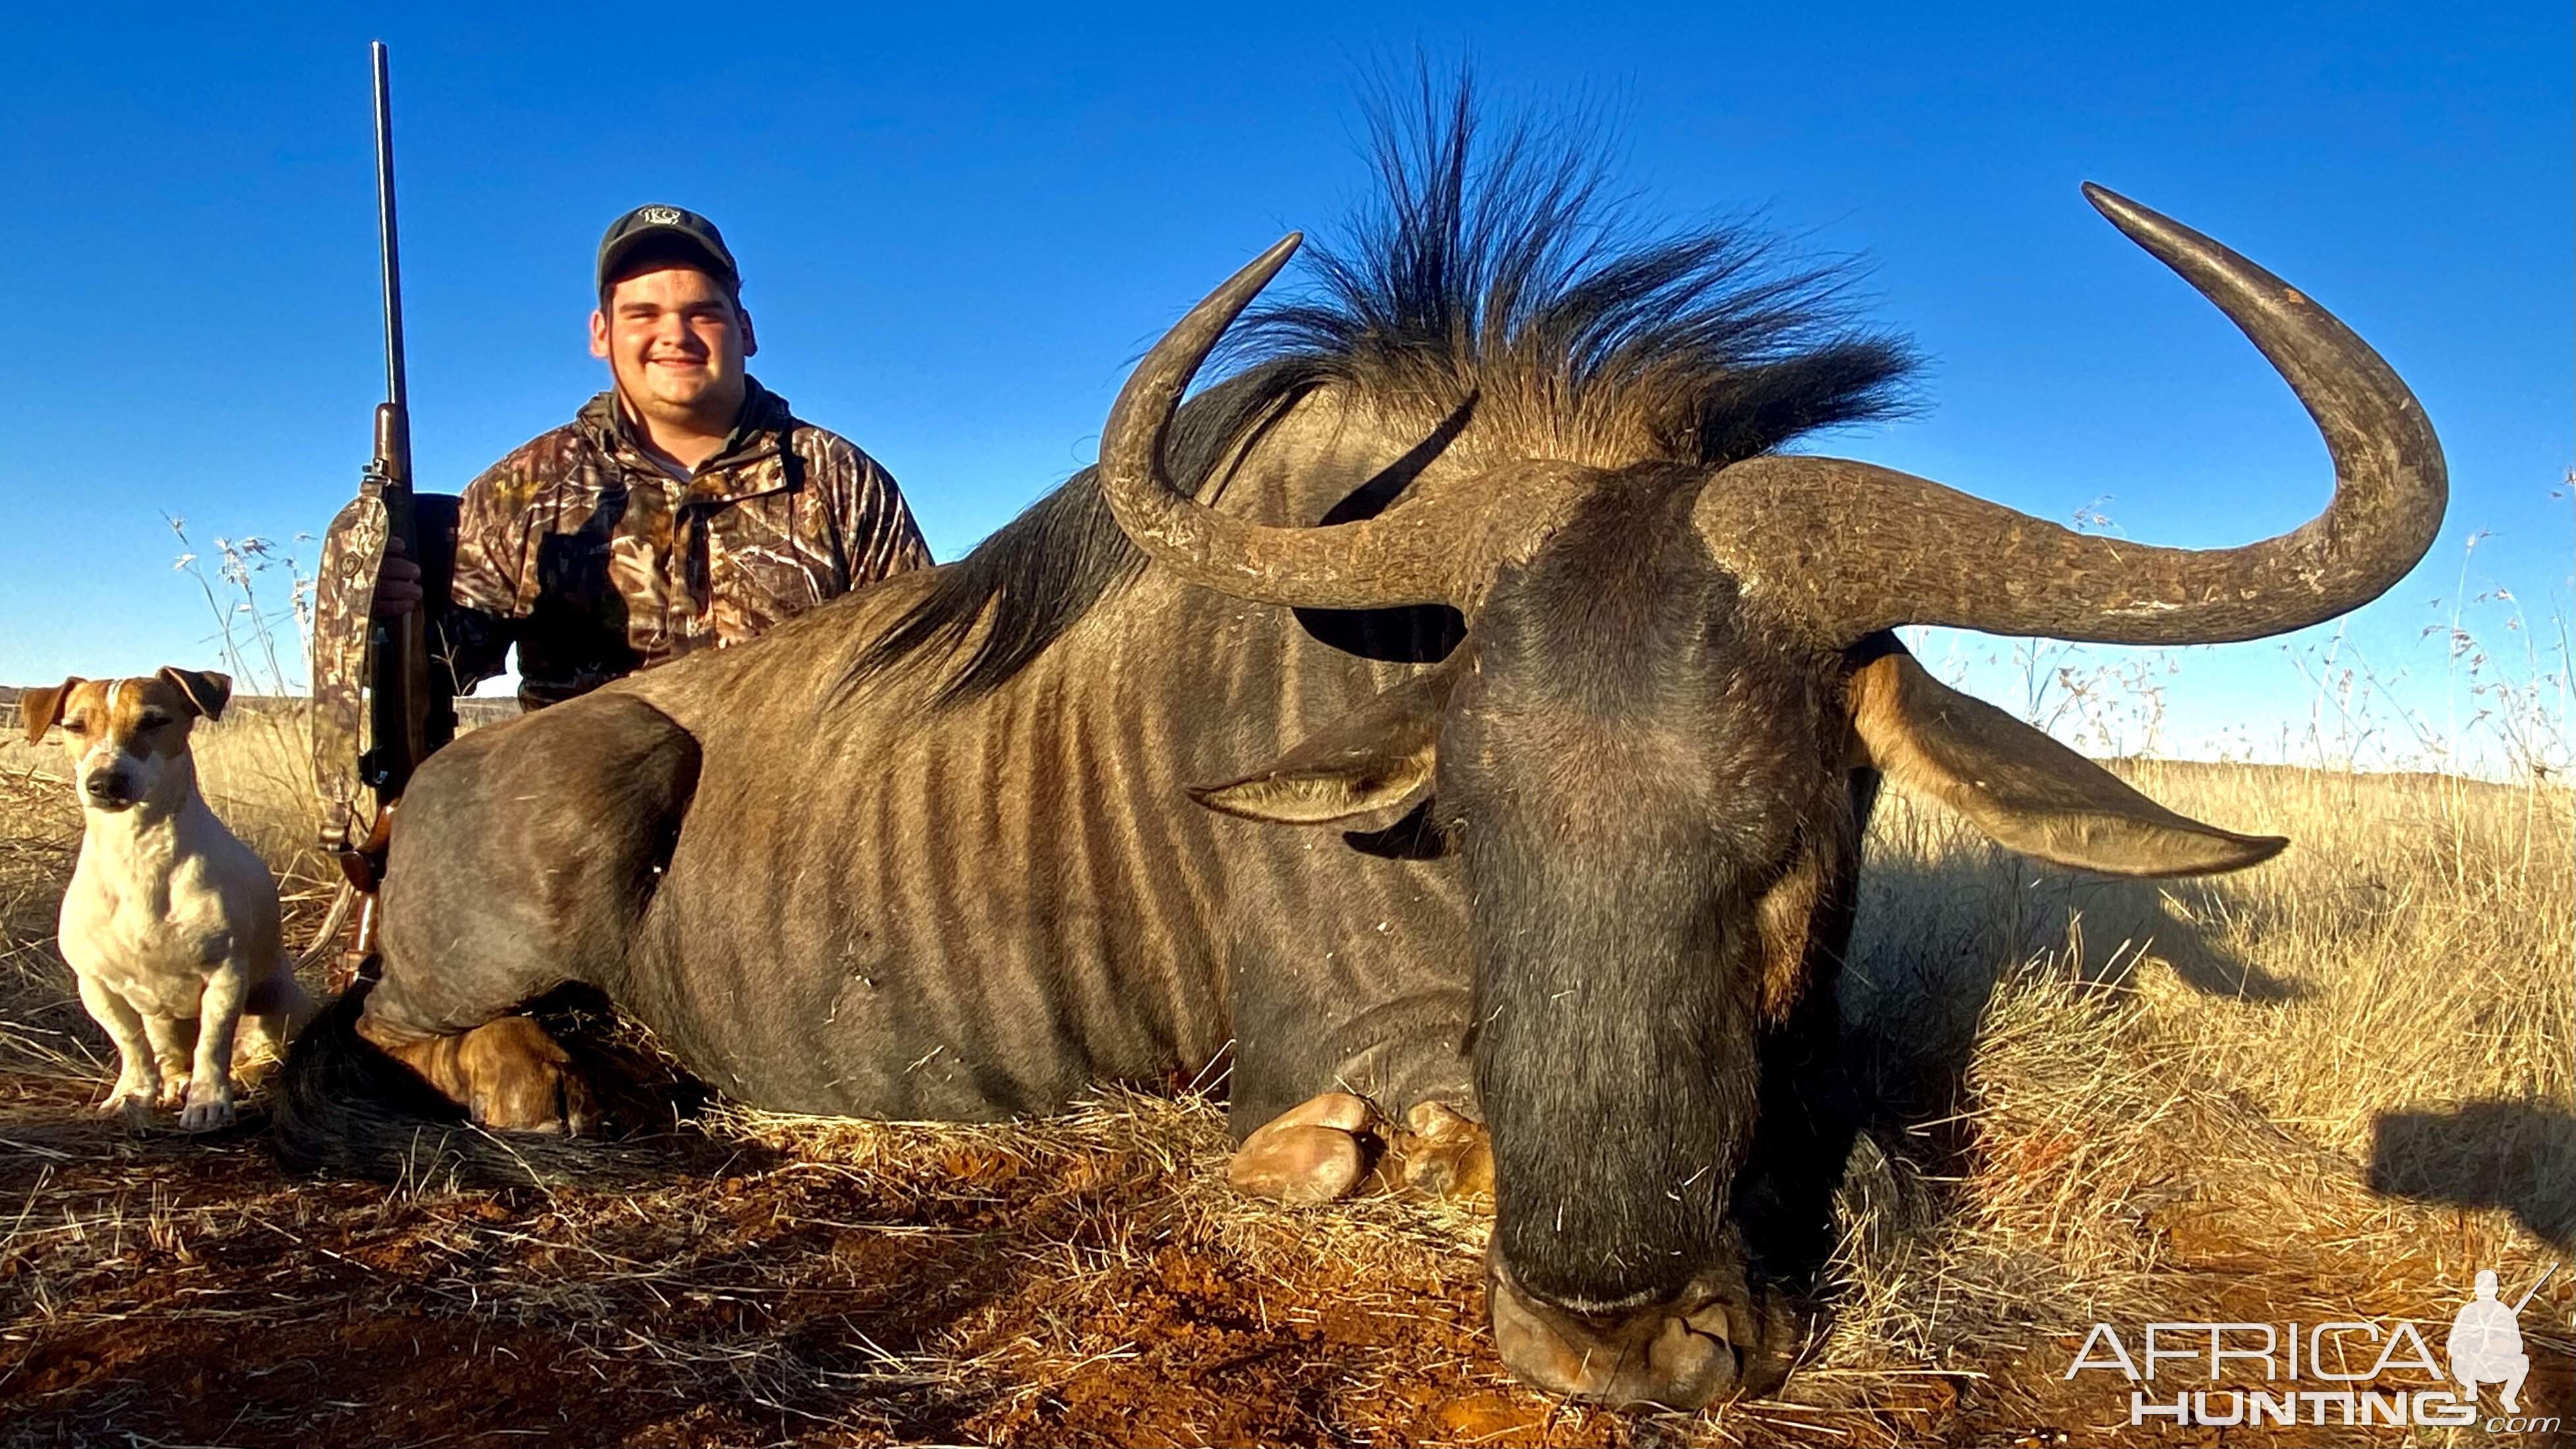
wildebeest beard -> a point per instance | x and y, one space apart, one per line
1625 767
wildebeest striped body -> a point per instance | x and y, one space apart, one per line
977 910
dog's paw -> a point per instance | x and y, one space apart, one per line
174 1091
207 1110
133 1105
130 1101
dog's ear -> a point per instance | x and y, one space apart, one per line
206 691
42 709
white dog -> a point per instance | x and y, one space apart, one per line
171 922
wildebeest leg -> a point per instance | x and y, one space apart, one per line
1368 995
1352 1073
522 859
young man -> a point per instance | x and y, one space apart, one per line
684 508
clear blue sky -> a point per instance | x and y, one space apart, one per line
959 225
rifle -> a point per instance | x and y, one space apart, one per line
2535 1288
407 712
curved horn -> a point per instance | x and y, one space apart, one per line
1374 563
1889 548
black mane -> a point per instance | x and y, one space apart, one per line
1506 278
1039 573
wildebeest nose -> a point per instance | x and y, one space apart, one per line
1682 1355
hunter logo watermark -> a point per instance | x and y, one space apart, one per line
2363 1373
2486 1342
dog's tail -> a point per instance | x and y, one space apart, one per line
342 1108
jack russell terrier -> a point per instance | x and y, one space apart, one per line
171 922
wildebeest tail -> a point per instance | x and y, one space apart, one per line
342 1108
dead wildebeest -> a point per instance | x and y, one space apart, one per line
926 852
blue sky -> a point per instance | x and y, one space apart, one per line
959 225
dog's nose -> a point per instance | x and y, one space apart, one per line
106 787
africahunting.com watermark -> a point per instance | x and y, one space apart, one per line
2342 1374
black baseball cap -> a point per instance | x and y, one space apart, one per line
667 230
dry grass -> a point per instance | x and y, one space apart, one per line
2333 1086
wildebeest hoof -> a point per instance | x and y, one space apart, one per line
1311 1153
518 1079
507 1073
1442 1154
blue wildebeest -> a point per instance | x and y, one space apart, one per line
1489 559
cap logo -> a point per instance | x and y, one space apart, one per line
659 216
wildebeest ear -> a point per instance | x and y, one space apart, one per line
2027 791
1376 756
206 690
41 709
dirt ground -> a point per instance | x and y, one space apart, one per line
214 1302
1089 1278
181 1291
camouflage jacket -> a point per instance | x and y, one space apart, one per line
596 560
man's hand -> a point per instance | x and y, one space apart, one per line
398 589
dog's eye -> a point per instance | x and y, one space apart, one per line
76 726
152 721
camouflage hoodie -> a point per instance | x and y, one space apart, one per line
596 560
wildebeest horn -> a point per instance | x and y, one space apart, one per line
1869 548
1375 563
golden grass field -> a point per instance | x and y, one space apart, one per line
2332 1087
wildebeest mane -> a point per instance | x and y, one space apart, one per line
1504 280
1039 573
1510 274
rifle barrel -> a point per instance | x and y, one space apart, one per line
385 230
2535 1288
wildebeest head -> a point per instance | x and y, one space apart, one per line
1647 747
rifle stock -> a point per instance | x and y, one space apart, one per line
400 697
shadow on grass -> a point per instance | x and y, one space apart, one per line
1936 939
2519 1156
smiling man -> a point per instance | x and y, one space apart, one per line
684 508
